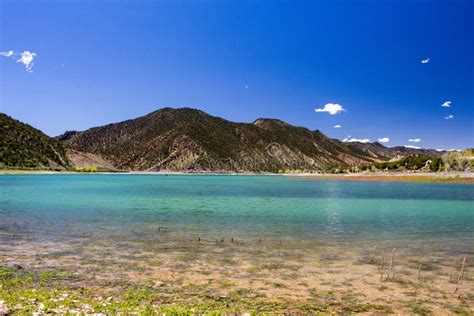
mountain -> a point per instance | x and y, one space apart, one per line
189 140
22 146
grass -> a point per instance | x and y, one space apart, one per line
61 291
418 307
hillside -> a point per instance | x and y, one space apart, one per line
380 152
22 146
459 160
191 140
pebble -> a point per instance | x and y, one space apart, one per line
3 308
18 267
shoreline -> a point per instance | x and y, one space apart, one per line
445 177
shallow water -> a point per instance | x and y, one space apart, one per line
141 207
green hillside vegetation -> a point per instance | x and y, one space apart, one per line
22 146
411 162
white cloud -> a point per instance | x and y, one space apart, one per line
384 140
7 54
26 58
358 140
446 104
412 147
425 61
337 126
449 117
414 140
331 108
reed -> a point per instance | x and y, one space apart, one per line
461 275
419 271
461 272
391 264
381 268
372 260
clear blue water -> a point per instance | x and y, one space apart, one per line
64 207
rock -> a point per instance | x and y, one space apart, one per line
3 308
18 267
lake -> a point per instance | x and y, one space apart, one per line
298 233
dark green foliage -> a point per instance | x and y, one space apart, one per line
22 146
436 164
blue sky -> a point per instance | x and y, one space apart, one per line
99 62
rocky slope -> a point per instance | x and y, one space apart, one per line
191 140
22 146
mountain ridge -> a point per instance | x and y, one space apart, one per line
187 139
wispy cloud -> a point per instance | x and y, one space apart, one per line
449 117
350 139
446 104
331 108
337 126
414 140
384 140
26 58
7 54
412 147
425 61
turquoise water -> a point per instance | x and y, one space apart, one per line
63 208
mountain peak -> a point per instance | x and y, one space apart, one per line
270 124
